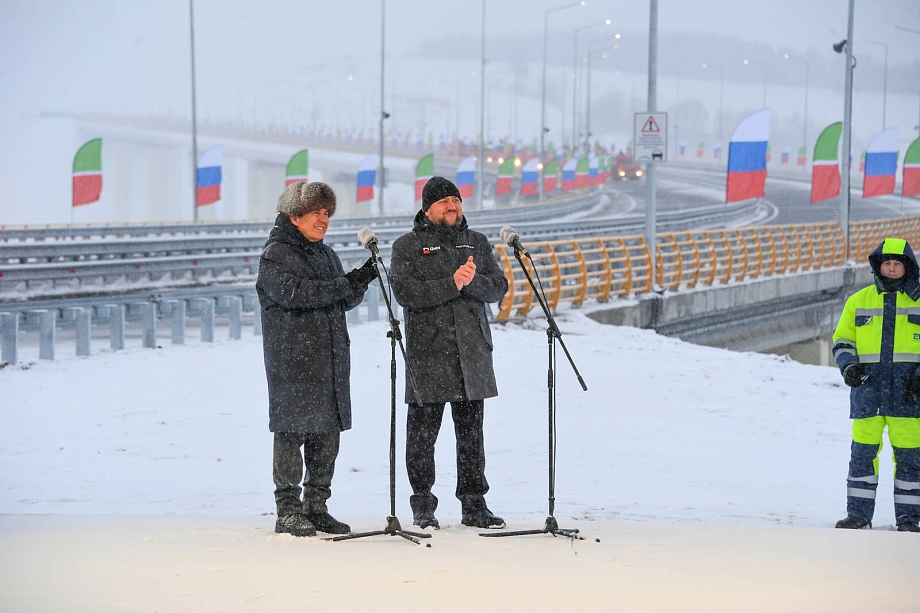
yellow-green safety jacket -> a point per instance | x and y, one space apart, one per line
880 328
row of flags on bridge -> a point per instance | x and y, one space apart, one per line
748 155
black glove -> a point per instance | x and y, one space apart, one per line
360 278
912 389
854 375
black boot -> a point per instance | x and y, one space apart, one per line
482 518
906 525
295 524
426 519
851 522
327 523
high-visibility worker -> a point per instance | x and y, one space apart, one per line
877 348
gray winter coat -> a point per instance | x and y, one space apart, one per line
448 340
304 295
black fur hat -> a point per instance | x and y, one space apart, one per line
437 188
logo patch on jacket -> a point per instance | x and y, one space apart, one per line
465 247
428 250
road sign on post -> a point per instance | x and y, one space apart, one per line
650 138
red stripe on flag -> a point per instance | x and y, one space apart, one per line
581 181
825 182
295 180
549 185
911 185
208 195
365 193
419 186
503 186
466 191
568 185
878 185
86 189
528 189
745 185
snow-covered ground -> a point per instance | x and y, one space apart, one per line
141 480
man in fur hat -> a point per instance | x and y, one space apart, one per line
304 293
443 275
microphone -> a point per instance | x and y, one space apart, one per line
369 241
512 238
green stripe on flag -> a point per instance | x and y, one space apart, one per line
425 167
913 153
828 142
552 168
89 157
583 164
299 166
802 151
507 168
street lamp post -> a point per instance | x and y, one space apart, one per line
482 109
606 22
764 68
543 128
912 32
805 118
588 93
191 11
884 82
721 100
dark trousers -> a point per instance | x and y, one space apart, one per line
422 426
318 458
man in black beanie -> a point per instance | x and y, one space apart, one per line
443 275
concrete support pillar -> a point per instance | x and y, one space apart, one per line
117 326
235 309
84 317
207 320
178 322
9 329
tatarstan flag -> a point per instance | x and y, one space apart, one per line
87 173
825 167
551 176
911 184
298 169
803 156
505 177
423 171
581 172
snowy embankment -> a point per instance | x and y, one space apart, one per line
716 473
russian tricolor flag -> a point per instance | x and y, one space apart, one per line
881 164
717 151
784 156
209 175
466 177
529 177
367 175
747 157
568 175
592 169
683 148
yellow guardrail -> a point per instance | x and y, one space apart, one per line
574 270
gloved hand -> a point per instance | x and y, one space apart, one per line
912 389
854 375
360 278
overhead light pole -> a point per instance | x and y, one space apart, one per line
884 80
805 118
191 22
588 92
912 32
606 22
846 45
764 68
383 113
721 100
482 110
543 127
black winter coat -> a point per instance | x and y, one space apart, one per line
448 340
304 295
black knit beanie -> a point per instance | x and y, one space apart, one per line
437 188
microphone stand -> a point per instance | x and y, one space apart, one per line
392 528
551 526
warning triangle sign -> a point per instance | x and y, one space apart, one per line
650 126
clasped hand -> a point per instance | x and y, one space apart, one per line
465 274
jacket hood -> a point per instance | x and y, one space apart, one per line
897 249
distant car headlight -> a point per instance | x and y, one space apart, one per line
622 173
638 173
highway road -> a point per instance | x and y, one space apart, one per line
786 197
